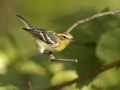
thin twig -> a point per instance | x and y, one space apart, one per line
30 86
63 60
84 77
52 58
113 12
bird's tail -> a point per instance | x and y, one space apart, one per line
28 26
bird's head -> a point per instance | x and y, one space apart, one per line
65 38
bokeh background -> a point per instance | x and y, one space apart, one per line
97 43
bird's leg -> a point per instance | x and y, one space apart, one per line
52 58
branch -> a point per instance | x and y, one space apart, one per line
52 58
84 77
113 12
30 86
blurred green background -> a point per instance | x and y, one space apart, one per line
96 44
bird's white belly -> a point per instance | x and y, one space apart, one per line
43 46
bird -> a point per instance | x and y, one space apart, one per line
48 40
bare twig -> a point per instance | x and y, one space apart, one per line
63 60
30 86
84 77
113 12
52 59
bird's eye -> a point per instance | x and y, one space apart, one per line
64 37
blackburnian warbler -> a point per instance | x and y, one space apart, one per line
47 39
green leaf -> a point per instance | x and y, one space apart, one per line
109 46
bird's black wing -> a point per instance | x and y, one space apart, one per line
44 35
